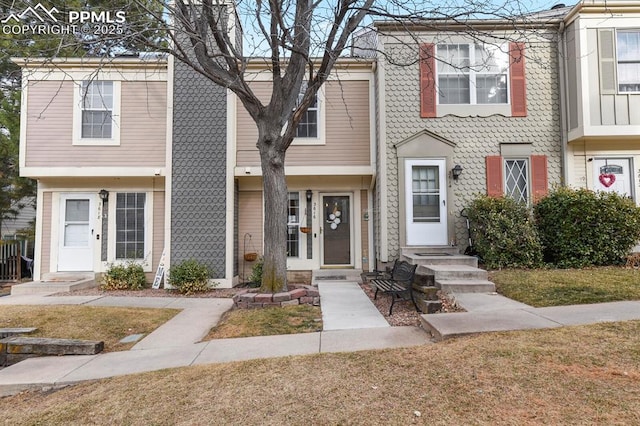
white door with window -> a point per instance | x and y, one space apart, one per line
77 231
426 202
613 175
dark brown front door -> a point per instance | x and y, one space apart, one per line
336 230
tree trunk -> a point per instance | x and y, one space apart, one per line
274 184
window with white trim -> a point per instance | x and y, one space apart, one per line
472 74
628 57
308 126
130 225
96 113
293 224
516 179
97 110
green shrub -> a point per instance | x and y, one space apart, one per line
129 276
190 276
503 233
255 279
580 227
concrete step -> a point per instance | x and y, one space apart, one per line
466 286
49 287
429 249
66 276
440 259
453 272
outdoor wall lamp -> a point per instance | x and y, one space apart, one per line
456 171
309 194
104 194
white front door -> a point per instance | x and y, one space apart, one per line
426 202
77 230
613 175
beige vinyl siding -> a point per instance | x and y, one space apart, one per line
45 247
158 230
49 127
364 229
346 129
249 222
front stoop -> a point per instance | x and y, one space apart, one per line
50 287
458 278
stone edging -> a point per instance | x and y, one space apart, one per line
298 295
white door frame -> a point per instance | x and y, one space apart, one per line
426 233
323 228
78 258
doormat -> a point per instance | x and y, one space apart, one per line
332 277
432 254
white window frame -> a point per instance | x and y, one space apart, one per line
471 72
617 52
77 116
295 223
320 138
148 231
527 161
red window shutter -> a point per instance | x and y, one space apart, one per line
539 180
427 80
518 83
494 176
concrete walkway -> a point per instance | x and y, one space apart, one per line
346 306
175 344
493 312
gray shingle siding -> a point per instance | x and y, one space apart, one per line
475 137
199 150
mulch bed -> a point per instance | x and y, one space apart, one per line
404 313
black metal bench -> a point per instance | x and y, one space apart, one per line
398 283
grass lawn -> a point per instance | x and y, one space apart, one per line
557 287
574 375
108 324
267 322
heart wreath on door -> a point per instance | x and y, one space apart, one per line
607 179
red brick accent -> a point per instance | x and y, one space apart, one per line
298 293
264 298
282 297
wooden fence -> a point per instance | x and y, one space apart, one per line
10 261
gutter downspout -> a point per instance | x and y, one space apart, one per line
564 104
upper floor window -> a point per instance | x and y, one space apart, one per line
96 113
97 109
628 53
472 74
308 126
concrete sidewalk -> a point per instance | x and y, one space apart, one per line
493 312
175 344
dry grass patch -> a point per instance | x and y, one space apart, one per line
267 322
109 324
558 287
578 375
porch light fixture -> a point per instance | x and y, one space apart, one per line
104 194
456 171
309 194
